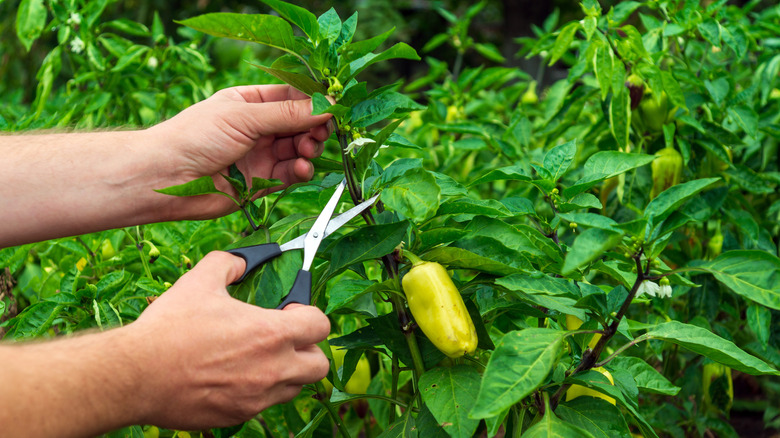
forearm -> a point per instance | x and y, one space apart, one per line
57 185
81 386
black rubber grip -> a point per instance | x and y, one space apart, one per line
301 290
255 256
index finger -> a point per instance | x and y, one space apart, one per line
268 93
307 324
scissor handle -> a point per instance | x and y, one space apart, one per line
301 290
255 256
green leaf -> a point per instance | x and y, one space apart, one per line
597 416
330 25
759 320
359 49
558 160
718 89
30 21
591 220
321 105
704 342
450 394
377 109
602 68
262 184
459 258
427 426
414 195
367 243
670 199
619 116
519 365
647 378
672 88
606 164
751 273
539 285
298 16
588 246
563 41
299 81
201 186
270 30
580 201
746 118
515 173
352 295
399 50
550 426
487 207
404 427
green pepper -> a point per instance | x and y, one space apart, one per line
654 113
438 308
667 170
717 387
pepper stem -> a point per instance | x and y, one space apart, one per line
413 258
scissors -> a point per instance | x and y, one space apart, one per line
324 225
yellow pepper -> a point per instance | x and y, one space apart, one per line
579 390
438 308
667 170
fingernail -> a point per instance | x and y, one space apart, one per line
331 126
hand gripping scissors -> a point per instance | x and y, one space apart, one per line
300 292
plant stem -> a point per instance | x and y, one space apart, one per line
332 412
589 357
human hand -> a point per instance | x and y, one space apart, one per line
266 130
210 360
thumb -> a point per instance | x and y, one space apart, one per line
286 116
215 271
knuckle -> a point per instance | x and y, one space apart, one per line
289 109
322 367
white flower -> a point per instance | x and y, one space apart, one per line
649 288
76 45
74 18
665 289
359 142
152 62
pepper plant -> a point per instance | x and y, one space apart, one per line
612 235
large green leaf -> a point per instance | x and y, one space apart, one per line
550 426
539 285
599 417
366 243
257 28
520 363
450 394
558 160
670 199
414 195
606 164
459 258
588 246
706 343
645 376
399 50
297 15
563 41
753 274
299 81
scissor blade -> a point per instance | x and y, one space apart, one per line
334 224
317 232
